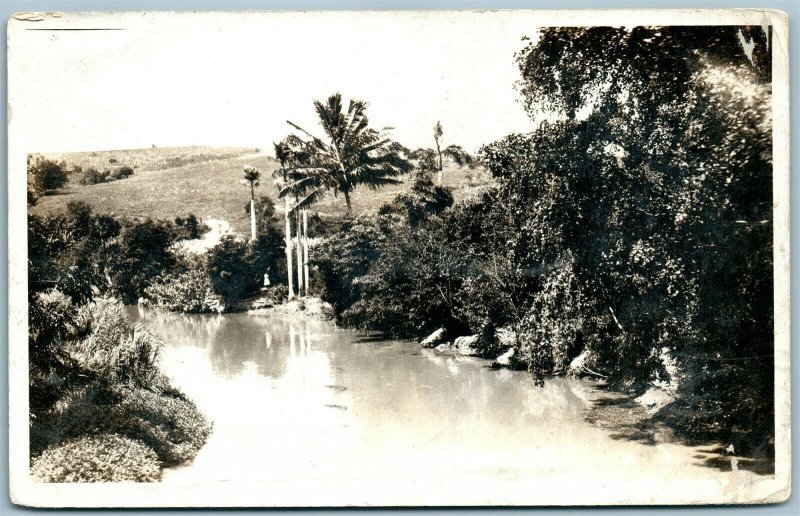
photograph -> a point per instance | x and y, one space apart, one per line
399 258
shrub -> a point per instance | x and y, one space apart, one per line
143 254
46 175
72 252
112 349
169 423
188 292
50 319
343 258
105 380
236 268
230 274
166 421
97 458
50 315
92 176
424 200
189 228
412 289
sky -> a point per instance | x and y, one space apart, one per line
234 79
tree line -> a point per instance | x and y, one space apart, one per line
631 234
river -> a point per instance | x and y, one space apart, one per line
306 413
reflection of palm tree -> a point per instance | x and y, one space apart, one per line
238 343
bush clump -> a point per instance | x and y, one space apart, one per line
94 379
44 177
165 420
112 350
188 292
189 228
92 176
97 458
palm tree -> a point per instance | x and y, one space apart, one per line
287 154
252 178
283 156
454 152
353 154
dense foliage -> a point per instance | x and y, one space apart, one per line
44 176
633 229
80 252
190 291
100 408
657 218
97 458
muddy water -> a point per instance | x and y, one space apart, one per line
309 414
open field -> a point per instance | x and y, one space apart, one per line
154 158
209 187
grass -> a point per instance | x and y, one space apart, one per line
97 458
208 186
147 159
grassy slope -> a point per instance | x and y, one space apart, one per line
155 158
209 186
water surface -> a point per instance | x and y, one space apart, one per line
309 414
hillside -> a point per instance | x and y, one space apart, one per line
206 183
154 158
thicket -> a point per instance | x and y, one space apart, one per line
634 230
92 176
100 409
189 227
44 177
189 291
83 253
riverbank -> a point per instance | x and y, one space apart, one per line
297 400
311 307
630 417
102 410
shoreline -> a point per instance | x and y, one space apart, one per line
614 411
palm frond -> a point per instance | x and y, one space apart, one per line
354 155
311 198
458 155
281 153
314 139
251 174
330 116
375 181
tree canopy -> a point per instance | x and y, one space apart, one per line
351 155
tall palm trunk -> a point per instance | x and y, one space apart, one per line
305 249
289 265
439 152
299 227
347 202
252 212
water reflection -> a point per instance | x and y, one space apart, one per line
298 401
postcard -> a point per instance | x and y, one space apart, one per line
399 258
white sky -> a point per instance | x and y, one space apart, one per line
234 79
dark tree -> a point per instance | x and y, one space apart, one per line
44 176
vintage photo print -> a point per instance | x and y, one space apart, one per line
399 258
